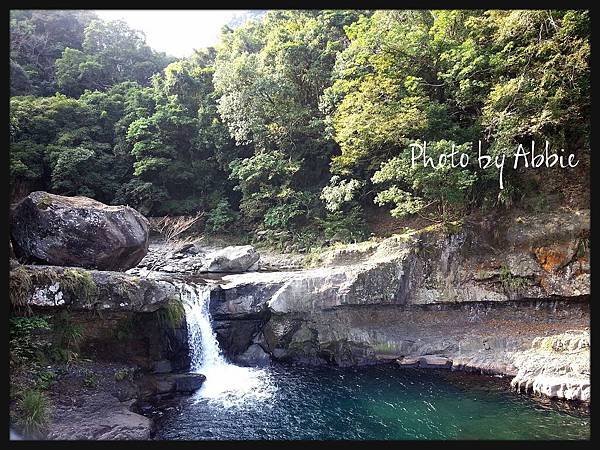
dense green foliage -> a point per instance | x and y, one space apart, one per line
455 77
298 121
22 337
37 40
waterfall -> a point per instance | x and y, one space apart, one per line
204 347
226 383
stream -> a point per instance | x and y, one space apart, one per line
374 402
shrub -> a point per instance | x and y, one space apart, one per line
293 207
220 216
44 379
305 240
280 216
452 227
22 330
280 240
265 181
344 226
171 228
34 409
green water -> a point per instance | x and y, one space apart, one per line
382 402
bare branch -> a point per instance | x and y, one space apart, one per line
172 227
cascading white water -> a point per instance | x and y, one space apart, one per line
204 347
225 383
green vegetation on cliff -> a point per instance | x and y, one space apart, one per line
297 125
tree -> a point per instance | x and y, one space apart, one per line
20 83
414 188
541 76
37 40
182 150
66 145
111 53
269 76
264 181
297 120
502 77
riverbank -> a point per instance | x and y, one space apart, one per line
512 299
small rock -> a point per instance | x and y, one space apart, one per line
434 362
233 259
408 362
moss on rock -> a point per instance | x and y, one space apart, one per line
80 284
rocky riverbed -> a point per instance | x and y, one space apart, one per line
507 296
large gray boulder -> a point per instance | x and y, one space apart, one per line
233 259
78 231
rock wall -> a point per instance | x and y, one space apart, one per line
123 318
134 337
480 298
477 298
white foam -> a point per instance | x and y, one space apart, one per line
227 384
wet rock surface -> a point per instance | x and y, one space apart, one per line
78 231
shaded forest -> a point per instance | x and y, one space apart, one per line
296 126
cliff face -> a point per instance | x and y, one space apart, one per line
476 299
505 296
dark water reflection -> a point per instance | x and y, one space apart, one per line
381 402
